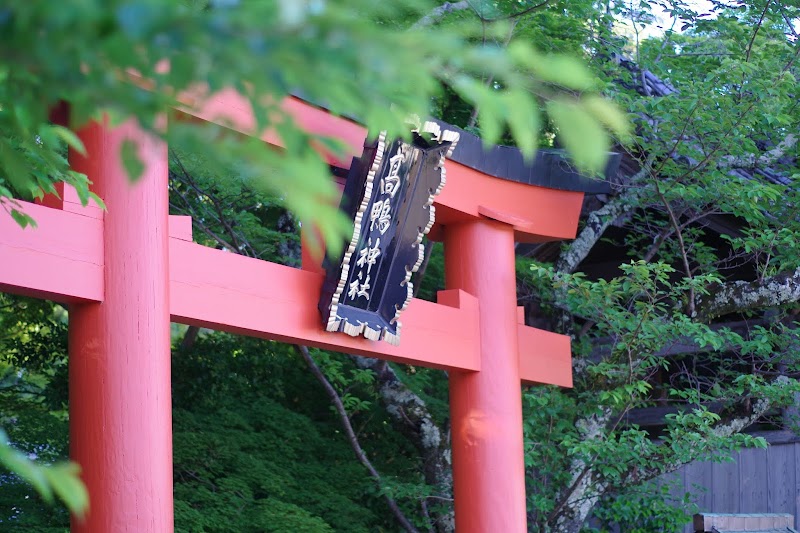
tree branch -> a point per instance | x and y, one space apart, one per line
190 337
723 429
596 224
588 487
437 14
236 238
584 491
681 245
413 419
765 159
523 12
755 32
741 296
348 429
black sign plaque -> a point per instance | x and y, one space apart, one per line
389 196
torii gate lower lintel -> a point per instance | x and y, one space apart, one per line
126 272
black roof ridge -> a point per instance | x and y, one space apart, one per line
550 168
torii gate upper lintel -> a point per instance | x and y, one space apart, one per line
126 272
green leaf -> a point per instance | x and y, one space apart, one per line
17 463
523 120
609 114
17 170
130 159
566 71
66 483
99 201
581 133
62 479
489 122
490 110
23 219
69 137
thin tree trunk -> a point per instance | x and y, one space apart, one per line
351 435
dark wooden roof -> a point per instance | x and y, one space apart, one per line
550 168
650 85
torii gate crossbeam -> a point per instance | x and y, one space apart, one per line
126 272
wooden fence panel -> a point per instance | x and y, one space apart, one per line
725 491
781 481
700 483
757 481
796 447
753 480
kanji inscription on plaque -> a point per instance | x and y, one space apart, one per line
389 195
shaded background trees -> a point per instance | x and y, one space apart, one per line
679 292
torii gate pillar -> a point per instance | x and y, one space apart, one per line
119 370
124 276
486 407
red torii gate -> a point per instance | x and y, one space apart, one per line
125 273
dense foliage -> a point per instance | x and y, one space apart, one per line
698 319
680 291
146 60
255 445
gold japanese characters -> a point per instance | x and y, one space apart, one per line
391 207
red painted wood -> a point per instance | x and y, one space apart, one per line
540 214
521 314
119 370
229 292
119 376
61 259
545 357
180 227
486 406
230 109
66 199
312 250
537 214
